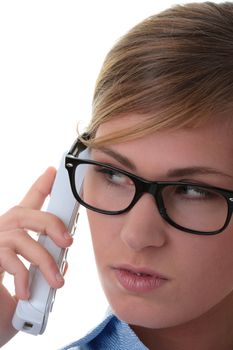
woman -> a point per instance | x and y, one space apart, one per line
158 189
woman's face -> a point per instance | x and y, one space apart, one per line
153 274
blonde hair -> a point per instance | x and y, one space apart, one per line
174 68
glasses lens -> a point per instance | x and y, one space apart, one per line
105 188
194 207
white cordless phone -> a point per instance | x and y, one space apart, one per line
31 315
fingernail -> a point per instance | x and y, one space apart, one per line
67 235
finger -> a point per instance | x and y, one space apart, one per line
40 190
33 252
37 221
13 265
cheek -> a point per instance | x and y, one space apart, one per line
215 259
204 274
105 234
201 269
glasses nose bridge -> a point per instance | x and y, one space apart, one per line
151 188
154 189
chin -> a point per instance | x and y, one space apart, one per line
139 313
143 313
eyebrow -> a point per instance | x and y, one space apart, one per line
177 172
196 170
119 157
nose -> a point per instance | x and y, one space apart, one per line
143 226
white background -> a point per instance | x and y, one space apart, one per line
50 55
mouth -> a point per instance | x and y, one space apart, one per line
138 280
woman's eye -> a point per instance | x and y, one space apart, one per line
194 192
114 176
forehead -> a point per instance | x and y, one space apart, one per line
218 130
208 145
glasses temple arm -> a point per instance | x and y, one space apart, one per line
78 146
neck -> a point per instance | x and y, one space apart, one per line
211 331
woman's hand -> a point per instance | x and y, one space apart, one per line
15 241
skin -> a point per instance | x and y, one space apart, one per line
14 239
194 308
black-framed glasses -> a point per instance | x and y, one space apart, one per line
190 207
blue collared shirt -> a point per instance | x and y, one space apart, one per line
111 334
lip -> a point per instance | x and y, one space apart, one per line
138 279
